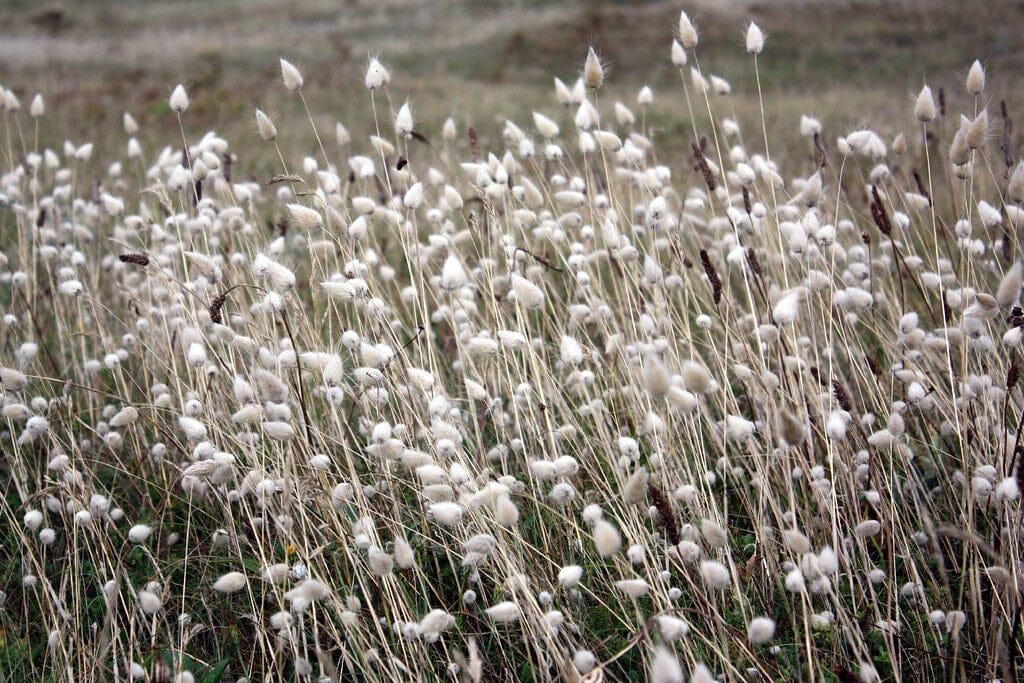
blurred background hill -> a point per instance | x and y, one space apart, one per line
94 59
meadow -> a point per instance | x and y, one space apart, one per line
511 342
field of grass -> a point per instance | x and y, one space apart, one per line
705 367
481 60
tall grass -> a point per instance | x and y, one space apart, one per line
592 404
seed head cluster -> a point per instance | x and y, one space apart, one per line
566 397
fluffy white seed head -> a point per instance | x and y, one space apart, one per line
1008 490
453 275
755 39
714 534
341 134
715 574
413 197
305 217
403 121
570 351
139 533
607 539
436 622
446 513
975 81
1008 292
527 294
38 107
570 575
584 661
232 582
702 674
13 380
179 99
376 75
869 527
633 588
266 127
924 106
687 31
672 628
34 519
124 417
665 668
785 311
760 630
380 562
678 54
290 75
593 71
504 612
796 541
448 130
279 431
150 602
545 126
302 596
506 513
867 673
1015 186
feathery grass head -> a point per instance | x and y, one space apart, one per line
975 81
924 106
687 32
754 39
376 75
266 127
593 70
179 99
290 75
